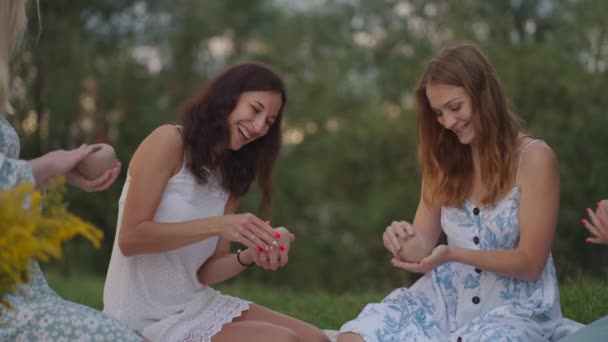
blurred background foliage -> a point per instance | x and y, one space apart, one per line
113 70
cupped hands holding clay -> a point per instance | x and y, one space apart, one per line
97 170
279 254
401 240
101 159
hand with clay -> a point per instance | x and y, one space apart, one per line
401 240
278 256
63 163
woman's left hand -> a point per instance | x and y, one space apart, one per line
100 183
438 257
275 258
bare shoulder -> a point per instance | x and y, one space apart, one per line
166 134
538 163
161 150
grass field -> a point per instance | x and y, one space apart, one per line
582 300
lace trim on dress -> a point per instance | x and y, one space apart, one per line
220 313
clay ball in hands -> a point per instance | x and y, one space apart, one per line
414 249
95 164
283 239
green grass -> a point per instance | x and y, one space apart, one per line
582 300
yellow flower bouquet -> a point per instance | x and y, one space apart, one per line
34 226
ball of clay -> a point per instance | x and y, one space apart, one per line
414 249
95 164
283 239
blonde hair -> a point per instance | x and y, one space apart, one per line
12 26
446 164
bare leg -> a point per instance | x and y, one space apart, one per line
350 337
254 331
304 331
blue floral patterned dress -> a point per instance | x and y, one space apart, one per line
38 313
457 302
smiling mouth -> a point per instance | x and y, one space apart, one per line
461 128
243 132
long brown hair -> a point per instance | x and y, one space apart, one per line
206 133
446 164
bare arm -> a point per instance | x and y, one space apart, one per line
223 265
538 208
156 160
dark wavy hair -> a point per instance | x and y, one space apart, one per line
206 133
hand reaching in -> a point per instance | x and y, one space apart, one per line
597 223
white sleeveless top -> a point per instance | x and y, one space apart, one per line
159 294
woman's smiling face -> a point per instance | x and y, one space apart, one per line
453 108
252 117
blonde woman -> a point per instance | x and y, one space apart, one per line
38 313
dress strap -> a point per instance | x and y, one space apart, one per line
523 151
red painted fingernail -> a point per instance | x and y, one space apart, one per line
277 235
583 222
282 248
588 241
260 249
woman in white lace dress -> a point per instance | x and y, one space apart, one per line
177 216
494 192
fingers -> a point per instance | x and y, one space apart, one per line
389 242
602 213
595 241
408 228
283 255
273 258
589 227
410 267
262 260
395 233
261 230
254 233
100 183
598 236
82 151
593 219
106 179
114 172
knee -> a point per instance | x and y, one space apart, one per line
350 337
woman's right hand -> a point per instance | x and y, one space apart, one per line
395 233
248 230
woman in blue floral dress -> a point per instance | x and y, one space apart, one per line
38 313
494 192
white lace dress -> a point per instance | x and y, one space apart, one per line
159 294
